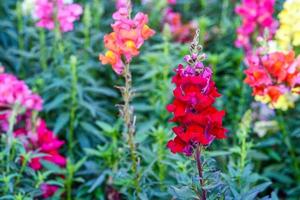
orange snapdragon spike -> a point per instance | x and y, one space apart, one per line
126 39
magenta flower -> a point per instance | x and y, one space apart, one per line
122 4
257 16
14 91
66 14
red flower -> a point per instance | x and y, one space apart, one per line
198 121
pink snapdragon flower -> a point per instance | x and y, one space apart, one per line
14 91
257 16
66 13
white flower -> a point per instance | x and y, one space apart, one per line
28 7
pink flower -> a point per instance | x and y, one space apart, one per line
122 4
14 91
256 17
67 14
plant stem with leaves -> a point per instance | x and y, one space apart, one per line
69 179
74 92
12 121
129 120
43 59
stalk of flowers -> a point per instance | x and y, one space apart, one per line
122 45
181 32
274 78
198 121
257 16
288 33
18 109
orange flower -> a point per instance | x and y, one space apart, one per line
127 37
109 58
147 32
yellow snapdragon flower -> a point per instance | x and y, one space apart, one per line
288 34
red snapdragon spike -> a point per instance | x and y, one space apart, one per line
198 121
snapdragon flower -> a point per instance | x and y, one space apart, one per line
198 121
47 11
126 39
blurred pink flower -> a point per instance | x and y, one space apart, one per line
14 91
122 4
257 16
67 14
181 32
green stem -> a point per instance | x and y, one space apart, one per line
24 163
87 25
59 47
74 92
20 28
243 154
129 119
12 121
42 38
288 143
70 171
